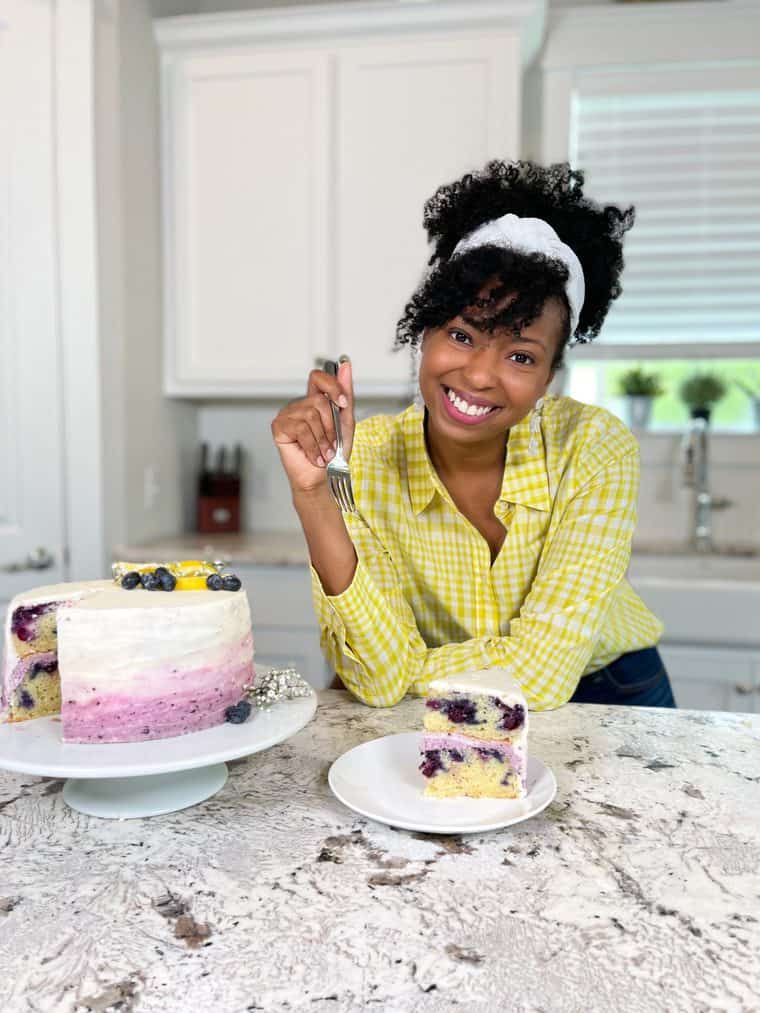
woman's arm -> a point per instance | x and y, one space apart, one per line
331 550
370 634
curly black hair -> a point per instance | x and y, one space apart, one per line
553 193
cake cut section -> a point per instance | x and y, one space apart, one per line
30 683
475 740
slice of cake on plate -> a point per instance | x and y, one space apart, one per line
475 739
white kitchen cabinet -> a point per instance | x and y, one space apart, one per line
245 203
722 679
285 629
411 116
297 153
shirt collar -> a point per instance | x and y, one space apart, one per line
525 481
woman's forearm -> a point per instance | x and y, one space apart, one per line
331 550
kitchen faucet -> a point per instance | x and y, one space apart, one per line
694 451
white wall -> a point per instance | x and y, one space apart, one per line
145 433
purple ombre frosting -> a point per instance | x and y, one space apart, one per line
167 700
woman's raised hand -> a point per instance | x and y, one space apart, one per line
303 430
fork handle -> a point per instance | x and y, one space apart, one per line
331 367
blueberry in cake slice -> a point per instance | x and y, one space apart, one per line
475 738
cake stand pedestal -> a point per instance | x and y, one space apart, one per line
126 798
128 780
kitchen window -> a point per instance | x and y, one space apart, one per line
680 140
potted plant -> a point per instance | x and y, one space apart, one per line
700 392
639 389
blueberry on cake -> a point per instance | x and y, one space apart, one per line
475 738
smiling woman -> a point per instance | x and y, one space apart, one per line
493 525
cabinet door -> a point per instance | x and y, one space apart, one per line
285 630
244 205
707 679
411 116
299 649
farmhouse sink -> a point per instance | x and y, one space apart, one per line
711 598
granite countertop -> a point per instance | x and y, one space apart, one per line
288 548
259 548
636 889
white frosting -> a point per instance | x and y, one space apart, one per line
483 682
113 639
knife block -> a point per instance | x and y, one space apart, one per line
218 503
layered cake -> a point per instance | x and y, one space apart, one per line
475 738
124 663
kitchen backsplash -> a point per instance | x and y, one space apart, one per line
664 513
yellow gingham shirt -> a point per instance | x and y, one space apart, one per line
425 600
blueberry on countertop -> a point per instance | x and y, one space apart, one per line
238 712
150 582
214 582
130 580
231 583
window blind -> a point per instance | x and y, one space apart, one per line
690 163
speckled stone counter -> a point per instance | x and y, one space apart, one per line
246 548
636 890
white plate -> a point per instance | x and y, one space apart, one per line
35 747
380 779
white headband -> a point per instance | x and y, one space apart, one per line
531 235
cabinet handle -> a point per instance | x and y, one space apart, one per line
40 559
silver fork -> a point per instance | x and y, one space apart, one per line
338 475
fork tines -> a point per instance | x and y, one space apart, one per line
340 487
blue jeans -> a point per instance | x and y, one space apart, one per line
636 679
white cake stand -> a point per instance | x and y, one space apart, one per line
127 780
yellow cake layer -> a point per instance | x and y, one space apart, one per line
45 691
471 777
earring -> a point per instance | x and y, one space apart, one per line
535 426
416 360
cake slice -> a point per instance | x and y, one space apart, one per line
475 739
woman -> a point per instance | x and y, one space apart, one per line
494 522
